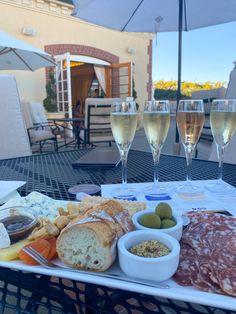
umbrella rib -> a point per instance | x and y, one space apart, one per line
14 51
132 15
45 58
4 50
185 16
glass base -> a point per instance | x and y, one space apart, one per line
220 187
85 188
189 190
125 193
157 192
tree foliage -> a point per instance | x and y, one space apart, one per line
50 102
168 89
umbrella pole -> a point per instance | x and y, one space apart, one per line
177 145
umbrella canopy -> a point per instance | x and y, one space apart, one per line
155 15
17 55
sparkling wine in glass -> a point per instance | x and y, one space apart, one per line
223 126
156 122
123 124
190 120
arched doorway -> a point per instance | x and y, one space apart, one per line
81 69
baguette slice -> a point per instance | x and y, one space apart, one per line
88 244
117 213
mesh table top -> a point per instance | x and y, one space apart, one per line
52 175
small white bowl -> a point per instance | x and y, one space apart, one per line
175 231
19 221
157 268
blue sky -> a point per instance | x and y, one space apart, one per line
207 54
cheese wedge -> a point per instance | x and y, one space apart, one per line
12 252
4 237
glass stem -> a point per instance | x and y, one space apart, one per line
220 153
124 156
189 156
156 158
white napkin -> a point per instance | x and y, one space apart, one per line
205 201
8 189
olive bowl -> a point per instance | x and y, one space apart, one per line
19 221
175 231
154 268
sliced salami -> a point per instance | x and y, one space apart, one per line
187 258
208 253
202 279
227 280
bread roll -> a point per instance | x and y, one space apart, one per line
89 241
88 244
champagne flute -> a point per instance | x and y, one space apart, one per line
223 125
123 124
156 121
190 120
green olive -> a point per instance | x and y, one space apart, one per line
167 223
150 221
163 210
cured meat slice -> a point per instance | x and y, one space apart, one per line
228 252
187 258
201 278
208 253
220 231
193 237
227 280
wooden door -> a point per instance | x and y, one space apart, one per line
119 80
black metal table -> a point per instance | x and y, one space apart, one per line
77 125
52 175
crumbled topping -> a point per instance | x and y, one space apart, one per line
150 248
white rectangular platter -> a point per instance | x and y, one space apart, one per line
175 291
187 294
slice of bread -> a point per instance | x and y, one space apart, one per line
88 244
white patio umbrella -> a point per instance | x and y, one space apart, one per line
17 55
156 16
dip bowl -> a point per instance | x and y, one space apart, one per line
149 268
175 231
19 221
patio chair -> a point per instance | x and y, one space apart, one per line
97 125
39 118
13 134
38 134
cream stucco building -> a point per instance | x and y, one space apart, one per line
48 25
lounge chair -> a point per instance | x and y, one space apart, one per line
39 118
13 134
39 134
